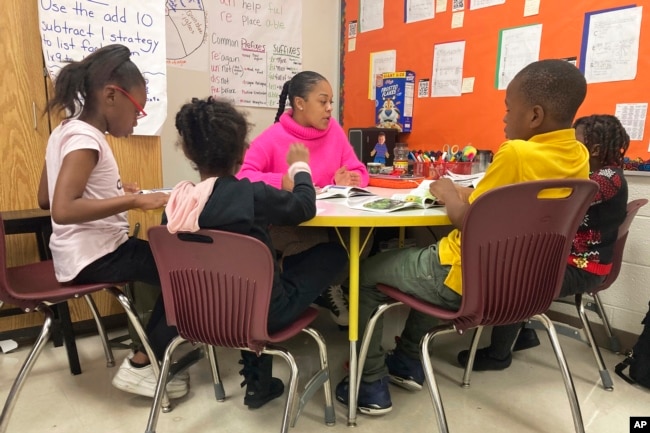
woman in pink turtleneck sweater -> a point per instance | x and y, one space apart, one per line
309 121
333 161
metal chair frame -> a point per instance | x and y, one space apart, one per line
515 244
214 296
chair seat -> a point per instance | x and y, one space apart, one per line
295 327
35 283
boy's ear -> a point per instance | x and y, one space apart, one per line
537 116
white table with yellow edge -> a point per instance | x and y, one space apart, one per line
335 213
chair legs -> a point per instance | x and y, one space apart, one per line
434 392
318 380
219 392
604 374
33 354
108 352
472 354
614 344
564 368
159 394
135 321
365 341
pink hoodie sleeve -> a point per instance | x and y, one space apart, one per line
259 164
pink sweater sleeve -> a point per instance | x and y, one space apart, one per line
261 162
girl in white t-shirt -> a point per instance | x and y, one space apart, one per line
105 93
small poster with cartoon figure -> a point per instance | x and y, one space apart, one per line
394 100
380 151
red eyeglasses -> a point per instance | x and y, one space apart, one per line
141 112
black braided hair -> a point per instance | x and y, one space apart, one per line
299 86
212 135
556 85
606 130
76 82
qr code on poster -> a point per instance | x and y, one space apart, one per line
457 5
423 88
352 31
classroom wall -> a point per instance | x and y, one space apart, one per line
321 53
477 117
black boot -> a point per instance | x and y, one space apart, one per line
261 386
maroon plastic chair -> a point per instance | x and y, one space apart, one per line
216 286
33 287
514 249
597 306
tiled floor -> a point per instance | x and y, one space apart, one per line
527 397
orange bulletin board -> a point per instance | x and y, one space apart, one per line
476 117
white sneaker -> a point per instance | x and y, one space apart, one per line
334 300
142 381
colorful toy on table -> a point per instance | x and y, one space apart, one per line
469 152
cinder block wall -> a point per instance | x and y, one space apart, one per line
626 301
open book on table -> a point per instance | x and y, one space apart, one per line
336 191
149 191
418 198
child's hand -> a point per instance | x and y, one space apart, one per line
345 177
442 189
152 201
297 153
130 188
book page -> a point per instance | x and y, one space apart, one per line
333 191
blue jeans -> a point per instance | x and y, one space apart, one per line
415 271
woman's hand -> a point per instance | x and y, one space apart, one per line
344 177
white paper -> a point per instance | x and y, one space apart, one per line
478 4
380 62
419 10
519 48
74 29
632 117
531 7
441 6
447 69
468 85
255 47
612 50
457 19
8 345
371 15
352 44
457 5
186 25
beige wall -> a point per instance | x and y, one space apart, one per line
320 33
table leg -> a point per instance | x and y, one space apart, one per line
353 329
62 313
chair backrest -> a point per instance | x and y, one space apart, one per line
623 230
515 242
216 285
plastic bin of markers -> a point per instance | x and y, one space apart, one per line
440 168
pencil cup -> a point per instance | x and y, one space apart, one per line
421 168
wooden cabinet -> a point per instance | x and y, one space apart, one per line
24 131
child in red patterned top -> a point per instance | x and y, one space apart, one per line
593 246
